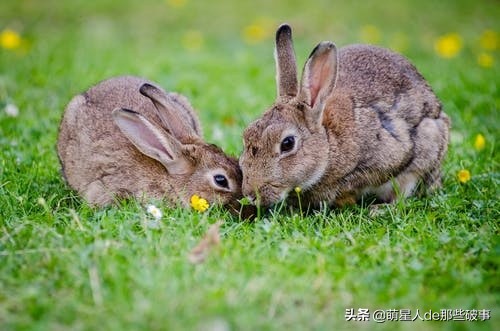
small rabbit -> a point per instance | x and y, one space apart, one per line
126 137
363 120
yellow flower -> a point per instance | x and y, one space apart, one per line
449 45
370 34
463 176
10 39
176 3
297 189
199 204
192 40
479 142
485 60
257 31
489 40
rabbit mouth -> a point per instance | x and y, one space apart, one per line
268 195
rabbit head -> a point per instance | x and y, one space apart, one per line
288 146
192 166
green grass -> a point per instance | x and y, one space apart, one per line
65 265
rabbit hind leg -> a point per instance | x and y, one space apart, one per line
403 186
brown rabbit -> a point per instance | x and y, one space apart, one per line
126 137
363 120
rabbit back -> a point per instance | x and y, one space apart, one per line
385 81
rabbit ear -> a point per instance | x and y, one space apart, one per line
319 76
286 66
170 114
152 141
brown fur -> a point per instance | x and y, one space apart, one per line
364 120
101 163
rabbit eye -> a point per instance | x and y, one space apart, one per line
221 180
287 144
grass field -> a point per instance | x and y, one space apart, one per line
67 266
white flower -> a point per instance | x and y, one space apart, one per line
153 210
11 110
